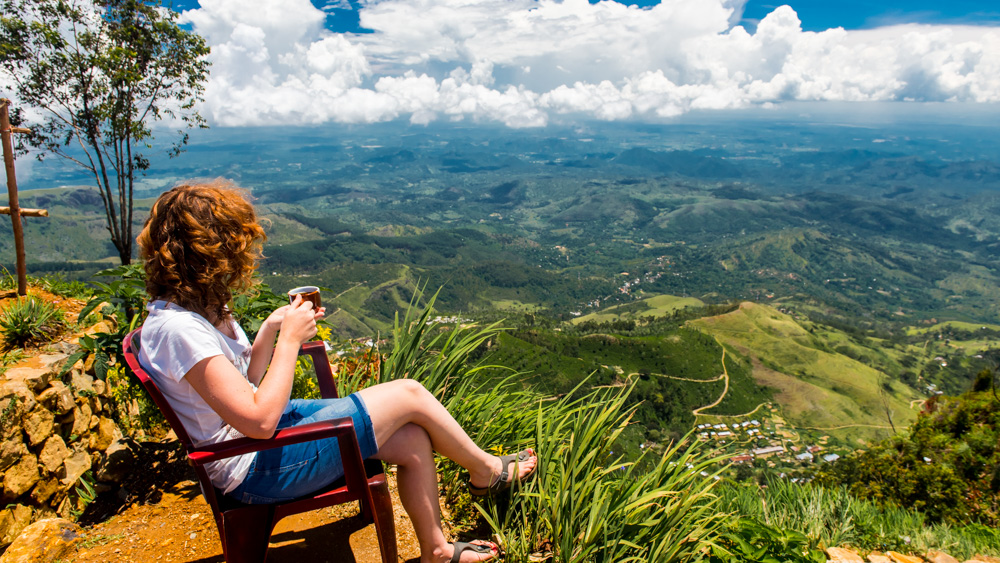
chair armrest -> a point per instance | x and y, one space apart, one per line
337 427
324 375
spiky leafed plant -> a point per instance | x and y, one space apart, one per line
438 356
585 503
29 320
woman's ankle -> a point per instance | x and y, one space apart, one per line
487 473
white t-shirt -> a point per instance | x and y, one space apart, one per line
173 341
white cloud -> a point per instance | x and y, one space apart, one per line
525 62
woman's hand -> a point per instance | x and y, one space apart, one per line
273 321
298 320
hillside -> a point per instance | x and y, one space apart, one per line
876 235
817 389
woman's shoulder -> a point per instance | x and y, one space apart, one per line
169 319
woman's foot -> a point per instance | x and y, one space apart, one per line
467 552
496 478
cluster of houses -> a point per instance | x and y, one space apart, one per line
627 287
723 431
447 320
751 429
762 453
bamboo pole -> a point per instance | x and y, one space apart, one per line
26 212
15 211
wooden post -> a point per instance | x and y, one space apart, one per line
26 212
15 211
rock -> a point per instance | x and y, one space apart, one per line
38 426
88 364
81 420
81 382
44 490
35 378
935 556
12 450
53 453
118 461
900 558
95 404
65 509
57 398
74 467
987 558
100 387
878 558
20 477
13 520
842 555
104 435
68 348
23 397
45 541
54 363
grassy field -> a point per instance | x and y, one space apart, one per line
514 305
656 306
950 325
816 388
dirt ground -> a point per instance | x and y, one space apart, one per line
179 527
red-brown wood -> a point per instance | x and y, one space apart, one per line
245 529
15 212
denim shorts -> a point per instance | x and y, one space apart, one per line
289 472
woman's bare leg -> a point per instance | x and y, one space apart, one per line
409 448
397 403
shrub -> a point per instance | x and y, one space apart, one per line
832 516
130 406
28 320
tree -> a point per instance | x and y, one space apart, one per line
98 72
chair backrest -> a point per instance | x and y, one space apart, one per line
131 347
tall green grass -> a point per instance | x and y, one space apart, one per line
586 502
834 517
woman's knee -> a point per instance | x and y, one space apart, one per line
412 389
409 444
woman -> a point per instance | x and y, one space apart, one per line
201 243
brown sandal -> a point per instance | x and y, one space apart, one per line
504 482
461 546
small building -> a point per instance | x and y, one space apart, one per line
744 458
806 456
830 458
768 451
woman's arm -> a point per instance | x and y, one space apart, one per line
222 386
263 345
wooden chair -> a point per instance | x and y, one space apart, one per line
245 529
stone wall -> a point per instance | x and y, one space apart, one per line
54 430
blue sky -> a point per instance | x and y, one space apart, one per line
859 14
815 15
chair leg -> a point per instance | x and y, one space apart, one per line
385 525
247 532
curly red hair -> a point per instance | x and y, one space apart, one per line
201 243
